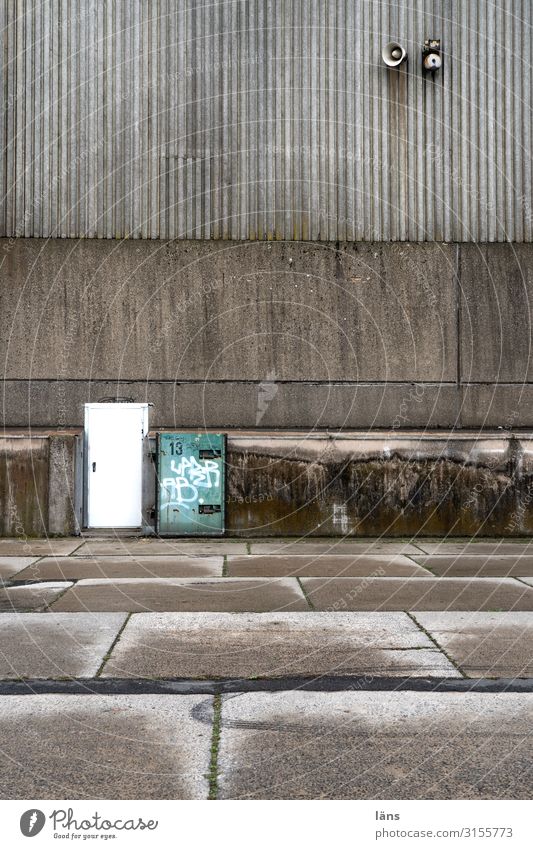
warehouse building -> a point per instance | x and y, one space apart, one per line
302 225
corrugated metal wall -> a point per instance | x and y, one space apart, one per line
260 119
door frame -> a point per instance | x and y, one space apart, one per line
144 407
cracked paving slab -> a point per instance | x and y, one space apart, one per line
56 645
403 745
493 547
170 594
418 594
323 565
78 568
485 645
104 747
218 645
481 566
32 596
11 566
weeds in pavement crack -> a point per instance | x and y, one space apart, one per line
215 740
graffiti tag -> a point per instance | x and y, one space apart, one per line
191 476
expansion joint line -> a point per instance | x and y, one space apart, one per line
113 644
436 644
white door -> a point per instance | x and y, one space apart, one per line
115 434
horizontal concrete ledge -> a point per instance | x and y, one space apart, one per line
326 684
300 404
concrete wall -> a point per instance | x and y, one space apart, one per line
290 484
40 483
268 335
398 485
394 484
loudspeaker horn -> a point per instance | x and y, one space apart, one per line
394 54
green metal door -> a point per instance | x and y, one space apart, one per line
190 469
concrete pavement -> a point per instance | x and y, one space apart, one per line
376 746
193 613
266 645
127 614
98 747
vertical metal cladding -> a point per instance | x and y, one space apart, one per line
265 119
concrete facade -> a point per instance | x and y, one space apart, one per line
268 335
395 483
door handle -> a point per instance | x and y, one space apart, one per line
94 467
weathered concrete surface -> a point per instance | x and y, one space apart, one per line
218 645
24 466
231 404
484 645
76 568
483 566
323 565
11 566
103 747
332 546
65 484
371 746
21 547
394 484
496 301
401 484
302 311
159 547
496 405
228 594
40 482
417 594
32 596
55 645
316 316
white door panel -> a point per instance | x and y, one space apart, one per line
115 435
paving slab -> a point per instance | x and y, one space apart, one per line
323 565
56 645
10 566
149 546
495 547
228 594
418 594
528 581
104 747
32 596
240 645
483 566
485 645
10 547
360 745
333 546
77 568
